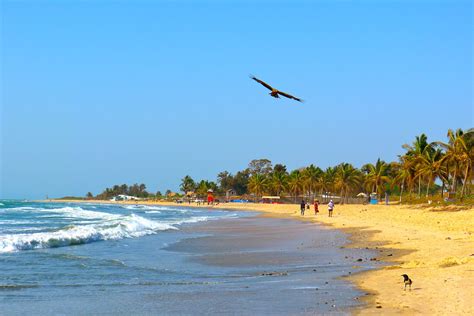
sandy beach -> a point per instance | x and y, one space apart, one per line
434 246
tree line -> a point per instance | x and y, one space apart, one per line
424 170
137 190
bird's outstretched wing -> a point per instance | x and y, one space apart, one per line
289 96
266 85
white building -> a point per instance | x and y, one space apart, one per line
123 197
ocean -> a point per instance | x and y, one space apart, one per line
85 258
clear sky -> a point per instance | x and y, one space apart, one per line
96 93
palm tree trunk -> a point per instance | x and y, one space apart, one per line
401 193
454 179
428 188
465 181
419 187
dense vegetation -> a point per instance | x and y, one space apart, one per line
137 190
426 170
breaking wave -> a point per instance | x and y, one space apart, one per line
129 226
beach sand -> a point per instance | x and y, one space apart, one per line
434 246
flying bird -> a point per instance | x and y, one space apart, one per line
407 281
274 92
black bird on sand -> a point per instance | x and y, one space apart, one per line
274 92
407 281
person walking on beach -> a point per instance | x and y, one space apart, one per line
316 207
330 207
302 207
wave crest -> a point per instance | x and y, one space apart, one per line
126 227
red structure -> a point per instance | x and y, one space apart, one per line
210 197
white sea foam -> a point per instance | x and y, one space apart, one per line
153 212
22 208
129 226
16 222
144 207
77 212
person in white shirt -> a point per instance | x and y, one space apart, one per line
330 207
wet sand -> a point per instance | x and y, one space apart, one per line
277 266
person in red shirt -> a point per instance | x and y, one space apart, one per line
316 207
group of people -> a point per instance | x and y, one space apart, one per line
305 206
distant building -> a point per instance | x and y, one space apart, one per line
229 194
123 197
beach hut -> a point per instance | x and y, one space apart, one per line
229 193
270 199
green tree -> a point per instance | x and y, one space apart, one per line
459 157
201 188
258 184
278 182
241 180
279 168
347 180
311 179
187 184
260 166
415 153
326 181
225 181
430 167
295 183
376 176
405 175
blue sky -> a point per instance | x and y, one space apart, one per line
96 93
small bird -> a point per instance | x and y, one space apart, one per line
407 281
275 93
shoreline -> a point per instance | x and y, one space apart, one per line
434 246
283 252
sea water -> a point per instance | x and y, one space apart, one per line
52 252
86 258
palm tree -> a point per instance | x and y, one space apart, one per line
431 167
376 176
347 179
279 182
326 181
404 175
459 156
415 152
258 184
201 188
187 184
295 183
311 176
